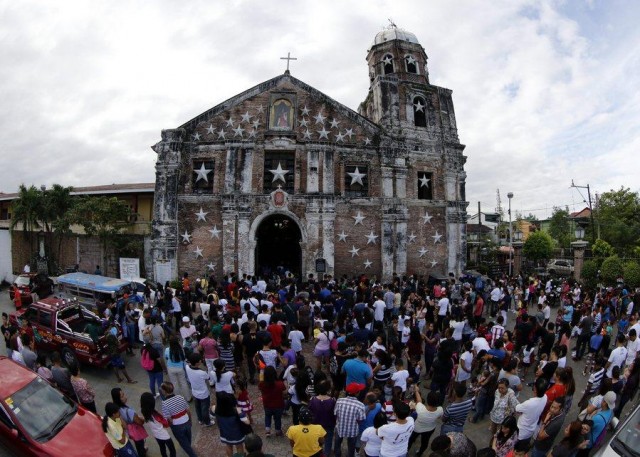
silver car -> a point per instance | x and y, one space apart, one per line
560 267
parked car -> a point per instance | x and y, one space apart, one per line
92 291
37 420
625 440
28 283
67 327
560 267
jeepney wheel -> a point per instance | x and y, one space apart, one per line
69 357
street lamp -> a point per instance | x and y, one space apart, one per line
510 196
579 232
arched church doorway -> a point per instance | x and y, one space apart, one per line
278 246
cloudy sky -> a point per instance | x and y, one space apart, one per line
544 91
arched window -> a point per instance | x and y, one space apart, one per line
419 112
411 63
387 64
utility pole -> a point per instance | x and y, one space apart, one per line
593 225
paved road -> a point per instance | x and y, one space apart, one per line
207 440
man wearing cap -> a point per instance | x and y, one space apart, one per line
602 419
306 438
349 412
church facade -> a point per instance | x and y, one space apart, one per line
283 177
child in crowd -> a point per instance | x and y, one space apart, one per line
528 358
244 402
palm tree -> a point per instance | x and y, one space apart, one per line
26 210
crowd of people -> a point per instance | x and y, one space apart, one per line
371 368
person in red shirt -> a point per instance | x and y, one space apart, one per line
17 298
478 308
276 332
557 390
273 391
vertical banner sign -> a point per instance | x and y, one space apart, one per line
129 268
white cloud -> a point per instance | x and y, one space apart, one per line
543 93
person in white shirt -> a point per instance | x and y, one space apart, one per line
199 380
401 375
296 337
496 295
457 326
443 308
547 313
480 343
395 435
379 307
633 345
531 410
262 285
427 419
464 365
497 331
370 438
618 356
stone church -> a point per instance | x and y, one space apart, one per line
282 177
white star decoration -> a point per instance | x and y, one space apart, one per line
354 251
367 264
256 123
436 237
306 135
339 137
410 60
356 177
278 173
433 263
424 181
202 173
221 134
211 266
319 118
196 136
215 233
358 218
230 122
305 111
202 216
367 141
246 117
186 238
323 133
422 251
412 237
304 122
210 129
238 131
387 60
252 133
349 133
260 109
342 236
419 106
371 238
334 123
198 252
426 218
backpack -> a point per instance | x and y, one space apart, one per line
600 439
146 361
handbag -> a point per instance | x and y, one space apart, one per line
136 431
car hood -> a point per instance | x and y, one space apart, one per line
81 437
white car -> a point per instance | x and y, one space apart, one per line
625 440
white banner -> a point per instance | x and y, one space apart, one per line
129 268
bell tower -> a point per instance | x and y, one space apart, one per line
399 79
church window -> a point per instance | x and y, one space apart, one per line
356 181
281 116
202 177
419 112
411 63
387 64
279 171
425 185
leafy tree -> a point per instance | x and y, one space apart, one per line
25 211
538 246
589 274
618 218
601 249
612 269
632 273
560 227
104 217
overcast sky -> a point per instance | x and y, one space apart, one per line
544 91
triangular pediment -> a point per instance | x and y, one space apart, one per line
281 107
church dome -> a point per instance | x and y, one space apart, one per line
394 33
